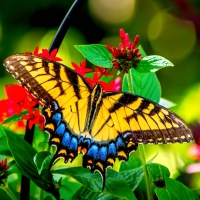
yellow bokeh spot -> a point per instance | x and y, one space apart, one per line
171 37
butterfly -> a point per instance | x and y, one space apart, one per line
102 125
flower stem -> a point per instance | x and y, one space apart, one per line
42 192
144 164
141 149
64 26
9 192
129 82
25 182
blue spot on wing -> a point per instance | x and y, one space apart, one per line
66 140
73 144
120 143
112 149
103 153
60 129
93 151
57 117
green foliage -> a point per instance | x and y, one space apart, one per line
23 154
152 64
96 54
142 84
175 190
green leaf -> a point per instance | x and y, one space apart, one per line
141 190
133 162
96 54
88 194
4 146
14 168
175 190
152 64
141 50
23 154
166 103
133 177
94 182
157 170
68 188
42 160
142 84
5 151
15 117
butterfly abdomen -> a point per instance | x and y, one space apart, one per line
95 102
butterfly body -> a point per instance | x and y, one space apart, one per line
102 125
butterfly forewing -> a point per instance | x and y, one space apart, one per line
47 80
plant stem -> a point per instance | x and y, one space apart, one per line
129 82
64 26
25 182
144 164
141 149
9 192
42 192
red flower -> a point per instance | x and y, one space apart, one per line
45 54
18 98
114 85
3 171
94 80
126 56
102 72
82 68
34 118
3 165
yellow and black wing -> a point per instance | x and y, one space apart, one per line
47 80
64 94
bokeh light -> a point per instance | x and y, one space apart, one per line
112 12
172 37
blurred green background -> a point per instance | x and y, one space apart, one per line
167 28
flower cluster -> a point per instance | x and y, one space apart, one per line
18 99
127 55
98 73
45 54
3 171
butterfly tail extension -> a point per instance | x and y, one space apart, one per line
101 156
96 160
